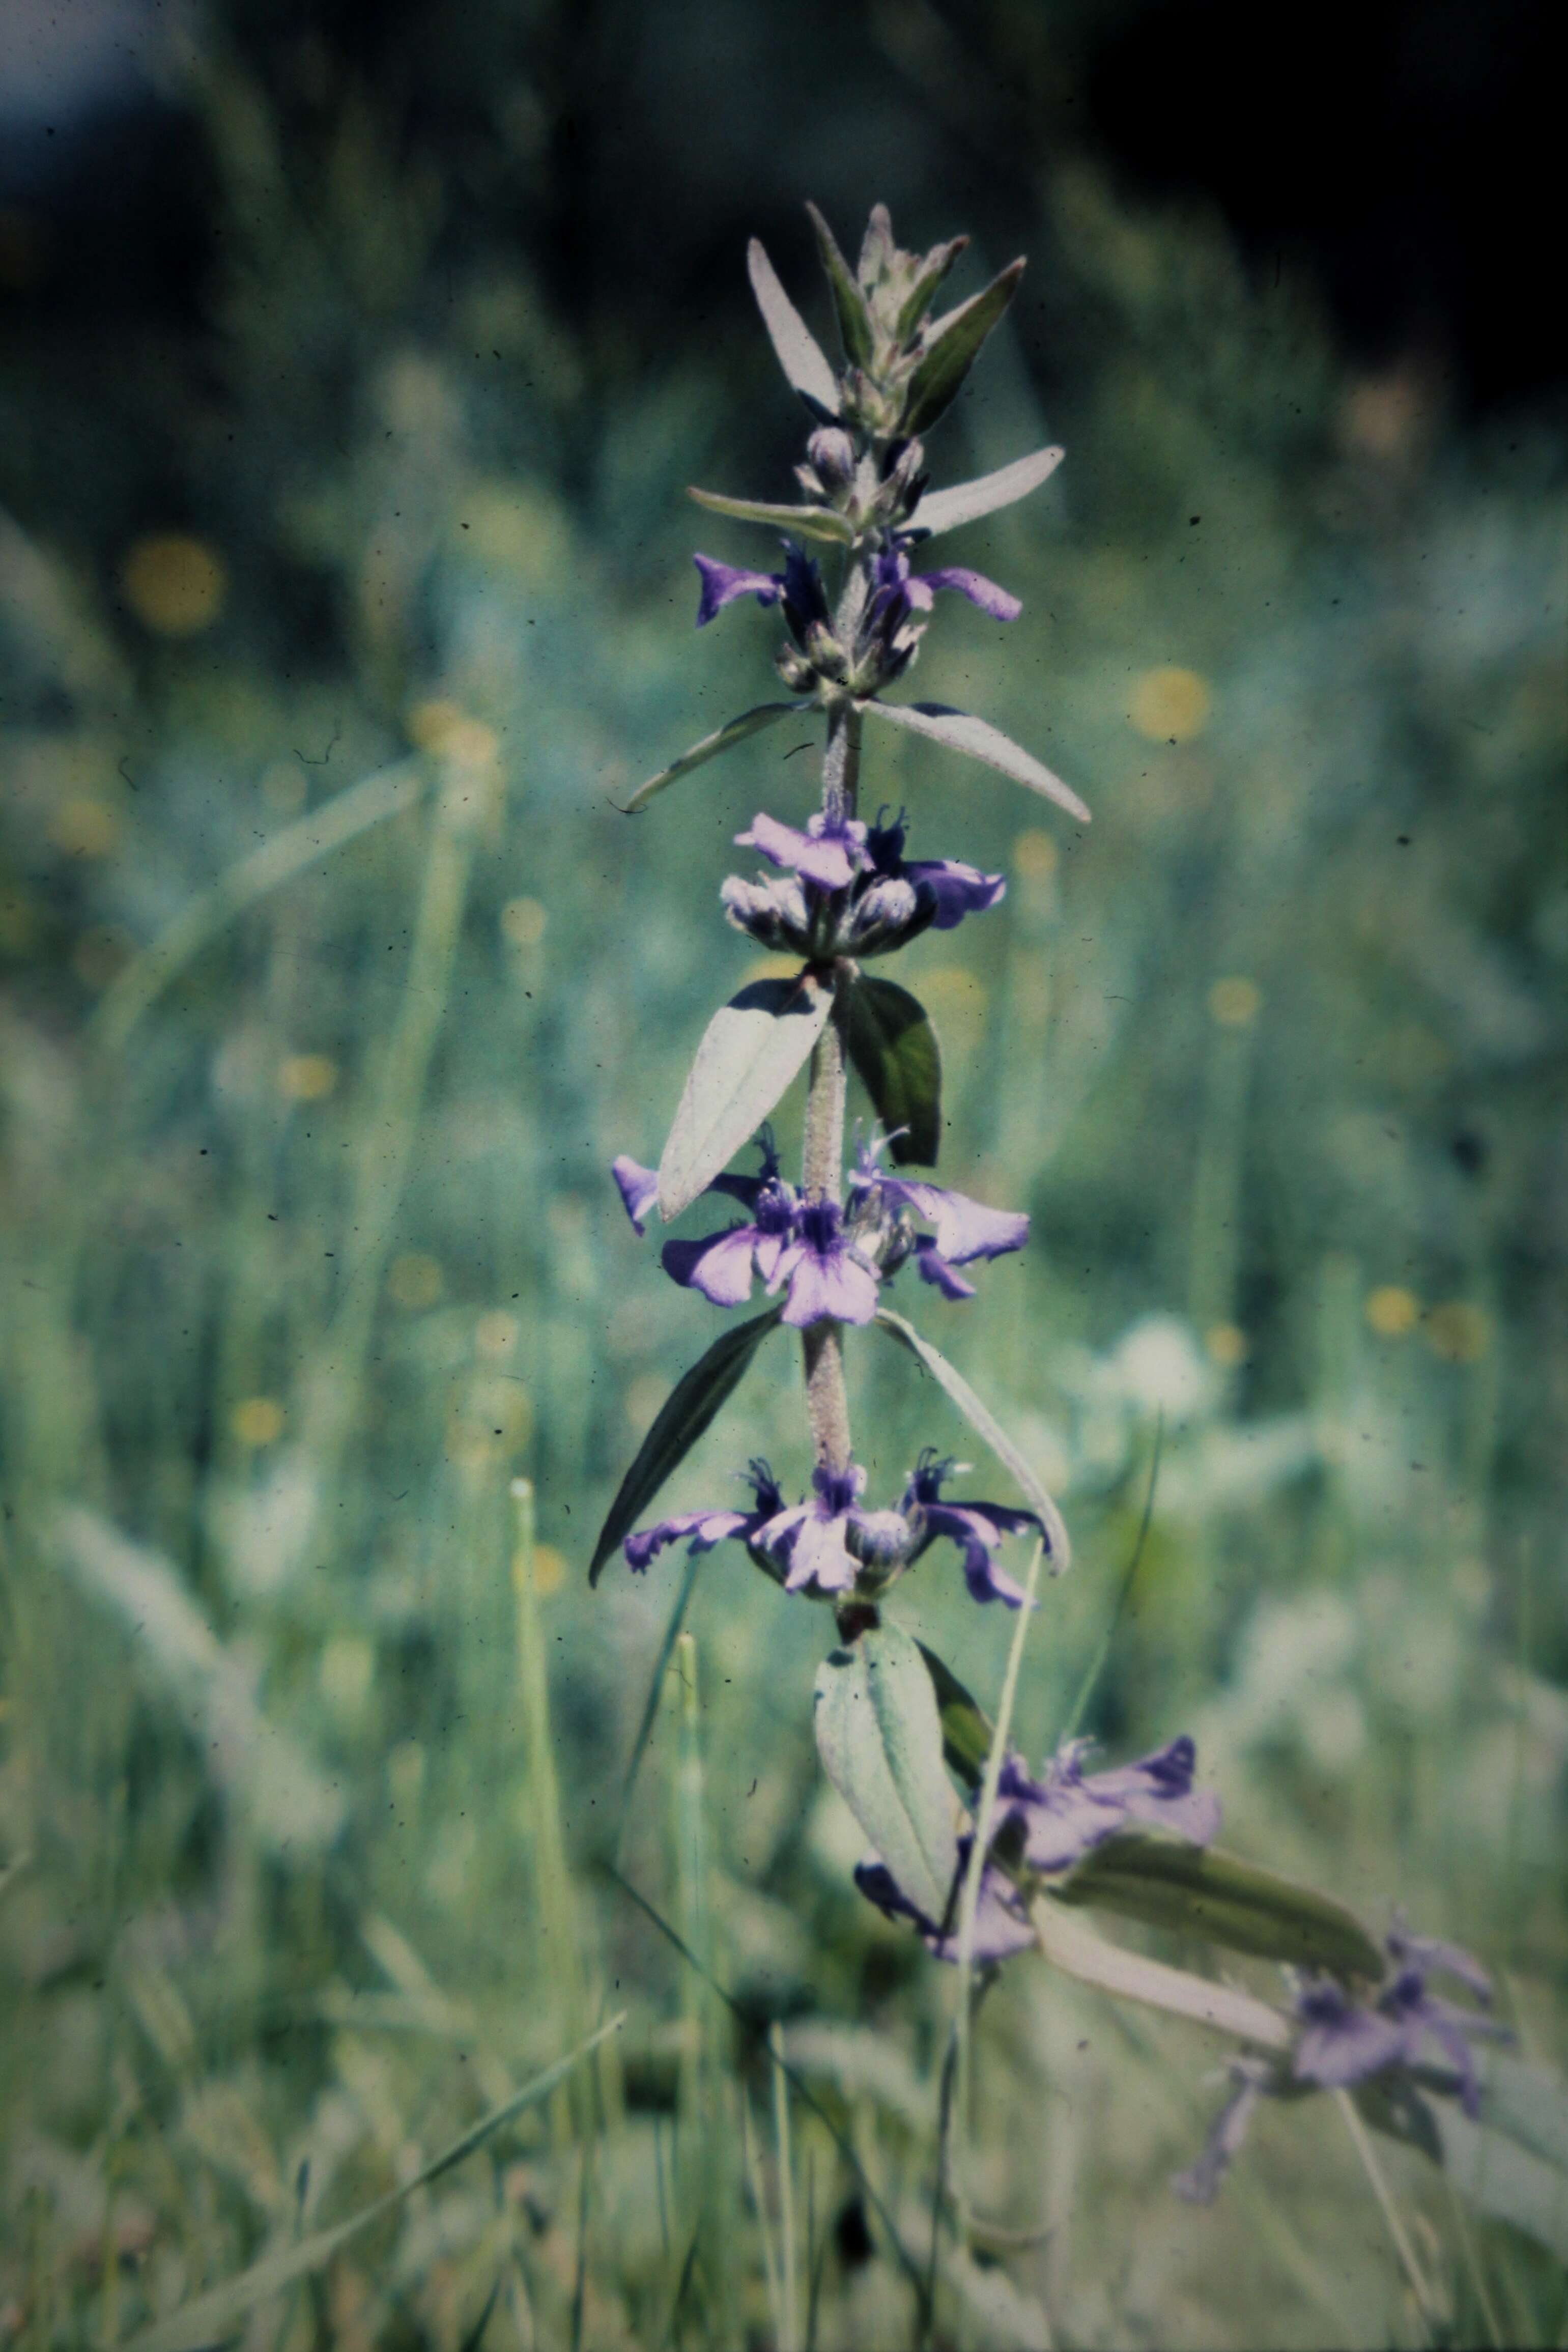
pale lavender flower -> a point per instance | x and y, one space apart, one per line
706 1528
1001 1923
850 890
892 632
1251 2079
956 888
964 1230
809 1541
976 1528
830 852
825 1273
804 1545
1071 1811
797 588
1343 2042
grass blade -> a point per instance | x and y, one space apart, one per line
214 2317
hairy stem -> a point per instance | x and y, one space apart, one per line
827 1402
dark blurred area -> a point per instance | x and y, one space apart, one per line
1401 154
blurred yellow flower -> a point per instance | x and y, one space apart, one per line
523 922
1035 855
174 584
549 1569
448 731
495 1334
1226 1344
414 1281
1234 1003
85 828
256 1421
1458 1331
1171 705
307 1077
1392 1312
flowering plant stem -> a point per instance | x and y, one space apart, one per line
827 1400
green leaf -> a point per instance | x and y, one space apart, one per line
800 355
804 522
965 1728
682 1419
917 301
213 2318
735 731
893 1047
848 302
949 1379
1504 2178
952 345
1216 1897
977 737
880 1739
968 502
750 1051
1528 2104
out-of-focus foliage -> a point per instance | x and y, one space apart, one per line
310 1246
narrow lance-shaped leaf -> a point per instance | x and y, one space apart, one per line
985 1424
962 732
848 302
752 1047
880 1740
214 2318
1501 2177
685 1413
723 738
952 344
894 1047
966 1726
1526 2103
802 522
800 355
917 301
968 502
1203 1892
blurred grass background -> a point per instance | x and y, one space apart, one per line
355 366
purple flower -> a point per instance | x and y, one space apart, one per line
899 591
798 588
966 1230
891 632
820 1545
639 1189
721 1266
706 1528
809 1541
825 1273
1069 1813
1001 1924
976 1528
1252 2080
956 889
830 852
722 582
1343 2042
850 891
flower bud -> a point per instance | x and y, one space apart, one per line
833 456
794 669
